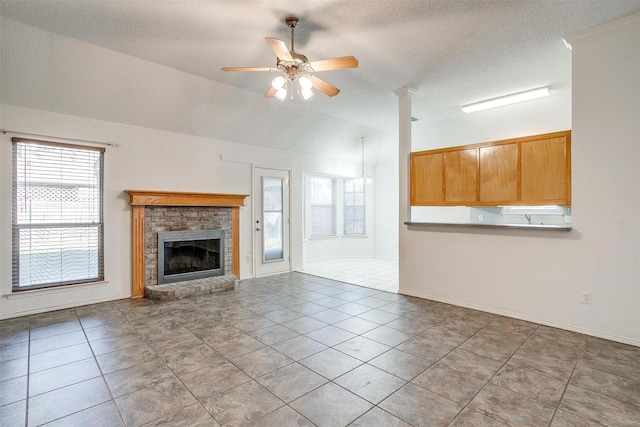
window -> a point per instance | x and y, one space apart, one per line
323 212
354 215
537 210
57 214
273 218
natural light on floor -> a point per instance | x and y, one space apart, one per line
375 273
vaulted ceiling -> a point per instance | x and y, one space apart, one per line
452 52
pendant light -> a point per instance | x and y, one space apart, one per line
363 178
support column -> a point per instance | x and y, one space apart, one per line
404 145
404 158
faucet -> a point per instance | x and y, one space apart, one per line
526 215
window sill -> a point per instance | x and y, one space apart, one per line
54 290
355 236
322 237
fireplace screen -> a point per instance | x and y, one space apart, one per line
186 255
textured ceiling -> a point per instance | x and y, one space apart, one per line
452 52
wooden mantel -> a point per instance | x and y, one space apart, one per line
141 198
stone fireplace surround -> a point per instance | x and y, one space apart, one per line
182 218
152 211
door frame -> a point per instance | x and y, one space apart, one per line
287 224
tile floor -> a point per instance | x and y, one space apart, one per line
375 273
298 350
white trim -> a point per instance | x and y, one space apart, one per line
573 328
63 306
320 237
54 290
603 30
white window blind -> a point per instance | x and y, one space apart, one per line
57 214
323 212
354 213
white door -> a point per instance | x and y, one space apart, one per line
271 221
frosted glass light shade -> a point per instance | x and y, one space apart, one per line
305 82
278 82
281 93
506 100
306 93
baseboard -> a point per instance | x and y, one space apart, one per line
63 306
573 328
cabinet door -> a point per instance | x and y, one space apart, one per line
426 179
461 176
544 171
499 173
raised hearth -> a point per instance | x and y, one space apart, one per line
191 288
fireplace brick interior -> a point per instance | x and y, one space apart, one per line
182 218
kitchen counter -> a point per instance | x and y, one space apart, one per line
482 225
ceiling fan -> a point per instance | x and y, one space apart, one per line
296 67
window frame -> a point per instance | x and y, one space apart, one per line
17 226
363 206
332 205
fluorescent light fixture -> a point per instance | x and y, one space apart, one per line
506 100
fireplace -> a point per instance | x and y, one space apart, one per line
159 211
188 255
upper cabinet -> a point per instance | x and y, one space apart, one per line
426 181
546 171
498 173
460 175
534 170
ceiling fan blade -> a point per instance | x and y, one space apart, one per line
334 63
279 48
270 93
323 86
247 69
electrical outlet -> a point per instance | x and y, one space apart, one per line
586 297
248 258
480 218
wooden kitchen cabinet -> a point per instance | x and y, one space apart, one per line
545 171
461 176
499 173
534 170
427 179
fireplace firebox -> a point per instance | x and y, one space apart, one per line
188 255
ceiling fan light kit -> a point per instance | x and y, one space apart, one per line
296 67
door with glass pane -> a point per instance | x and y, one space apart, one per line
271 221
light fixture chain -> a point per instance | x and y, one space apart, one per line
362 142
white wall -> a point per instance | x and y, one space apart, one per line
147 159
540 275
53 85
